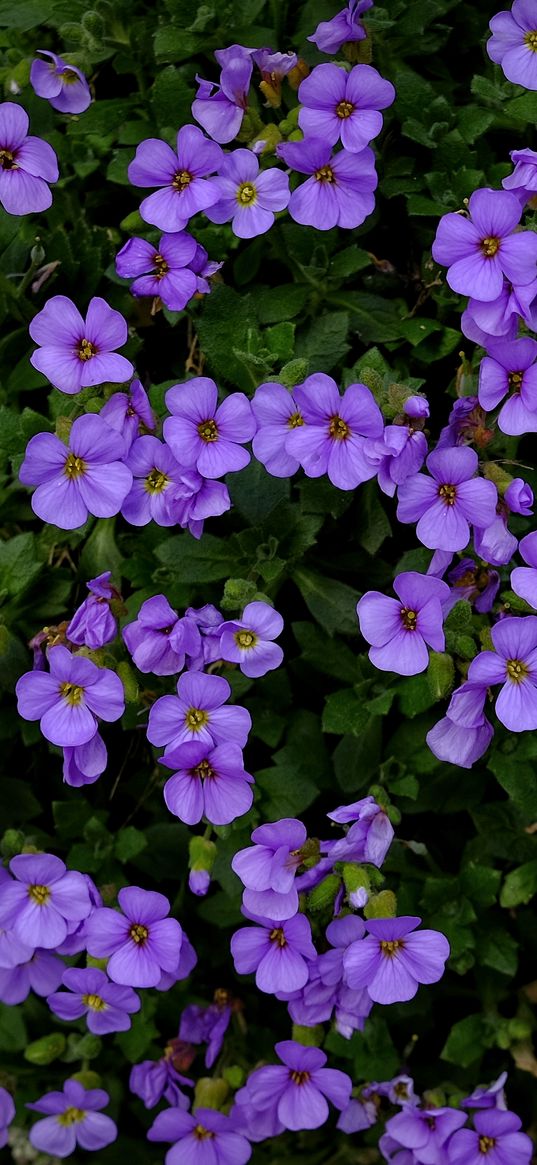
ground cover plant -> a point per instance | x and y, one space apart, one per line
268 582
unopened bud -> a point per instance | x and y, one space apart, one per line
237 593
310 1037
129 681
294 372
37 254
210 1092
359 51
12 843
296 76
322 897
87 1078
494 472
266 140
63 428
45 1050
440 674
383 905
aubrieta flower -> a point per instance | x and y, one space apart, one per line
93 623
463 735
73 1117
107 1006
340 106
495 1139
204 435
400 630
445 504
513 44
194 498
488 1096
130 413
402 449
158 640
273 68
346 26
140 943
203 268
481 249
267 868
7 1112
182 175
77 352
83 764
425 1132
68 699
41 973
43 901
161 271
276 412
220 108
524 578
87 476
475 582
297 1091
523 180
339 191
155 473
369 837
198 712
63 85
495 544
155 1080
357 1116
27 164
202 1137
486 322
249 641
278 951
513 663
510 369
248 198
207 782
392 960
207 1025
332 439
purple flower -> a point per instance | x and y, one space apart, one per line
77 352
277 950
513 43
154 1080
68 699
209 621
83 764
519 497
204 435
340 106
203 268
160 271
130 413
107 1007
248 641
399 453
399 630
93 623
181 174
199 881
492 1096
194 498
495 1138
267 869
297 1091
495 544
158 640
523 180
513 664
63 85
27 164
155 472
464 733
7 1112
486 322
273 67
524 578
207 1025
73 1118
276 413
203 1137
339 191
425 1131
346 26
332 439
483 248
41 973
248 198
510 369
474 582
220 108
43 900
392 960
445 504
198 712
466 425
207 782
141 943
357 1116
369 837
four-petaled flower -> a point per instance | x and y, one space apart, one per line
141 942
183 176
204 435
399 630
27 164
69 700
73 1117
75 352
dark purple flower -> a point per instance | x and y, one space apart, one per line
41 973
495 1139
155 474
83 764
207 1025
492 1096
130 413
510 369
369 837
476 583
73 1118
400 630
276 413
204 435
339 106
399 453
77 352
158 640
198 712
203 268
464 733
249 641
43 900
425 1131
107 1007
346 26
267 868
68 699
63 85
140 943
207 782
393 960
298 1090
524 578
202 1137
332 439
209 621
155 1080
85 477
277 950
7 1112
339 191
181 174
523 180
160 271
513 664
221 108
93 623
483 248
513 44
27 164
247 198
445 504
518 497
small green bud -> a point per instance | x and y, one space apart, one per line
37 254
323 896
210 1092
86 1047
129 681
71 32
434 1098
519 1029
201 853
460 616
515 604
235 1076
94 24
237 593
382 905
46 1049
494 472
355 878
87 1078
91 961
485 639
251 126
310 1037
461 645
270 136
359 51
294 372
296 136
440 674
12 843
63 428
132 222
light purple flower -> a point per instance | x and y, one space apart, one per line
107 1006
249 641
202 1137
339 106
400 630
220 108
83 764
68 699
87 476
445 504
277 950
248 198
466 425
495 544
154 1080
464 733
198 712
7 1112
513 664
513 43
72 1118
203 268
182 175
93 623
273 67
486 322
339 191
524 578
130 413
160 271
298 1090
207 782
510 369
400 451
332 439
523 180
369 837
75 352
140 943
483 248
491 1096
495 1139
158 640
346 26
357 1116
276 413
204 435
63 85
193 498
43 900
27 164
267 868
518 497
207 1025
425 1131
393 960
475 582
155 473
41 973
199 881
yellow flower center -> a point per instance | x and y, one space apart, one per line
300 1077
74 466
68 77
71 1116
156 481
344 109
138 933
530 39
448 494
208 431
202 1134
203 770
161 266
245 639
86 350
325 174
196 719
515 381
390 947
516 670
246 194
339 429
72 693
277 936
39 894
490 246
409 618
182 179
488 1143
295 421
94 1002
7 160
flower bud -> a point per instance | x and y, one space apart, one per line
12 843
383 905
322 897
237 593
46 1049
37 254
87 1078
129 681
294 372
310 1037
297 75
440 674
210 1092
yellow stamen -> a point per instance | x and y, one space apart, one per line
196 719
182 179
72 693
490 246
94 1002
344 109
86 350
39 894
71 1116
246 194
516 670
208 431
295 421
138 933
156 481
74 466
339 429
409 618
448 494
390 947
245 639
324 174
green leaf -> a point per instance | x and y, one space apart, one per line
324 342
497 949
331 602
135 1042
330 656
13 1036
374 525
277 304
190 561
345 713
255 493
466 1042
129 843
520 885
19 565
375 318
